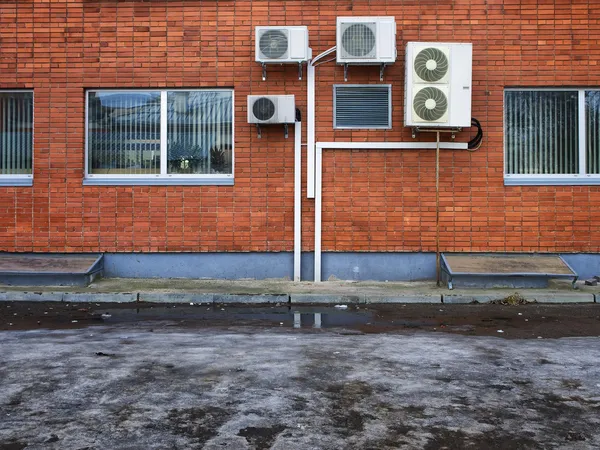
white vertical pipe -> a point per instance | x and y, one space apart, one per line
318 199
298 201
310 131
358 145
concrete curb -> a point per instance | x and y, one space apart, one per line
563 298
307 299
208 299
31 296
251 299
175 297
541 297
98 297
409 298
329 299
471 298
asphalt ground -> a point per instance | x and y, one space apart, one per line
144 376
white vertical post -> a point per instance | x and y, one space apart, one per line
318 200
298 201
317 320
310 130
163 132
582 136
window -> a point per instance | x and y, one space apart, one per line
159 137
362 106
16 138
551 136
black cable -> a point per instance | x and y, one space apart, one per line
298 115
475 143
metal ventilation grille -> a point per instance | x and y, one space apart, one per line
273 44
430 104
362 106
431 64
358 40
263 108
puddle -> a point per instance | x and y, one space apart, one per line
277 316
517 322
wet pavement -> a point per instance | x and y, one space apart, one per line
144 376
517 321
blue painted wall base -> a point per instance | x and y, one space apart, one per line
358 266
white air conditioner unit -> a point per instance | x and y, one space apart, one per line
438 85
278 45
266 109
366 40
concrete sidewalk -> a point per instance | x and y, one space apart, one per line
285 291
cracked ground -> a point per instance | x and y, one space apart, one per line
159 385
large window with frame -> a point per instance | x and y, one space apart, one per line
552 136
16 137
159 137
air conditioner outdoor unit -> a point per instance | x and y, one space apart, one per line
438 85
279 45
366 40
266 109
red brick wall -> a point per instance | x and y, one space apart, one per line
373 200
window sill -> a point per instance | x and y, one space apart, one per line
551 180
120 181
15 181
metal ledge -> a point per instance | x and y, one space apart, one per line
574 180
16 181
224 181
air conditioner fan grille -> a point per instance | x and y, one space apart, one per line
358 40
431 64
273 44
430 104
263 108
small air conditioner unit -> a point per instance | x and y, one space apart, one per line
438 85
266 109
279 45
366 40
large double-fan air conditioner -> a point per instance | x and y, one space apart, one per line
438 85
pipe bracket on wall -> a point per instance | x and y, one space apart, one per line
258 131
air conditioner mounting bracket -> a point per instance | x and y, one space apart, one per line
417 130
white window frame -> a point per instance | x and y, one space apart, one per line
22 179
580 178
163 178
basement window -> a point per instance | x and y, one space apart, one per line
551 136
360 106
159 137
16 138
